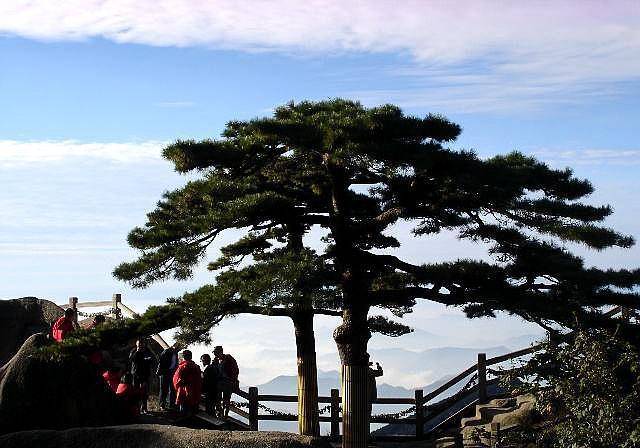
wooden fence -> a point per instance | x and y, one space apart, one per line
117 310
422 402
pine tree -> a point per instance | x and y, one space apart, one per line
355 172
266 270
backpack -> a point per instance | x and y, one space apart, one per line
230 368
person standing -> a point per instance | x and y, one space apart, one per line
210 379
167 364
373 386
215 363
187 381
63 326
112 377
129 396
140 360
229 377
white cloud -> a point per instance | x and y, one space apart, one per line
590 156
38 249
431 30
523 53
492 89
20 153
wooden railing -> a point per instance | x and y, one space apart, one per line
116 309
420 401
423 402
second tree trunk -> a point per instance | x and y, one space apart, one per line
308 423
352 338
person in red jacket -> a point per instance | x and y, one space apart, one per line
229 381
64 325
187 381
112 377
129 395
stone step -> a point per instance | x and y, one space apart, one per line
488 410
476 430
484 415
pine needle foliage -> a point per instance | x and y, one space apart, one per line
267 176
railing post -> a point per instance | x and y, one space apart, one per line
495 434
335 412
419 414
482 377
117 298
253 408
73 304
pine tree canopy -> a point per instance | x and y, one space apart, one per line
355 172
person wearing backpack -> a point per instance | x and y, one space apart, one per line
229 381
167 365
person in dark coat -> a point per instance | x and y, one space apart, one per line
210 389
167 364
140 360
229 376
373 386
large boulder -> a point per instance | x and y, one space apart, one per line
45 391
157 436
20 318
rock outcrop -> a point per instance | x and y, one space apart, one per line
157 436
39 391
20 318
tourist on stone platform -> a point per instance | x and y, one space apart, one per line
188 384
63 326
210 389
112 377
167 365
229 376
129 395
140 360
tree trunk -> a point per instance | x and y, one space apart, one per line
308 423
352 338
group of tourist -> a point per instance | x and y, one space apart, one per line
186 384
182 383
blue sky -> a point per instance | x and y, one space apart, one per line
90 91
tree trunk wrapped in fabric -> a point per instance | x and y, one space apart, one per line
308 422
